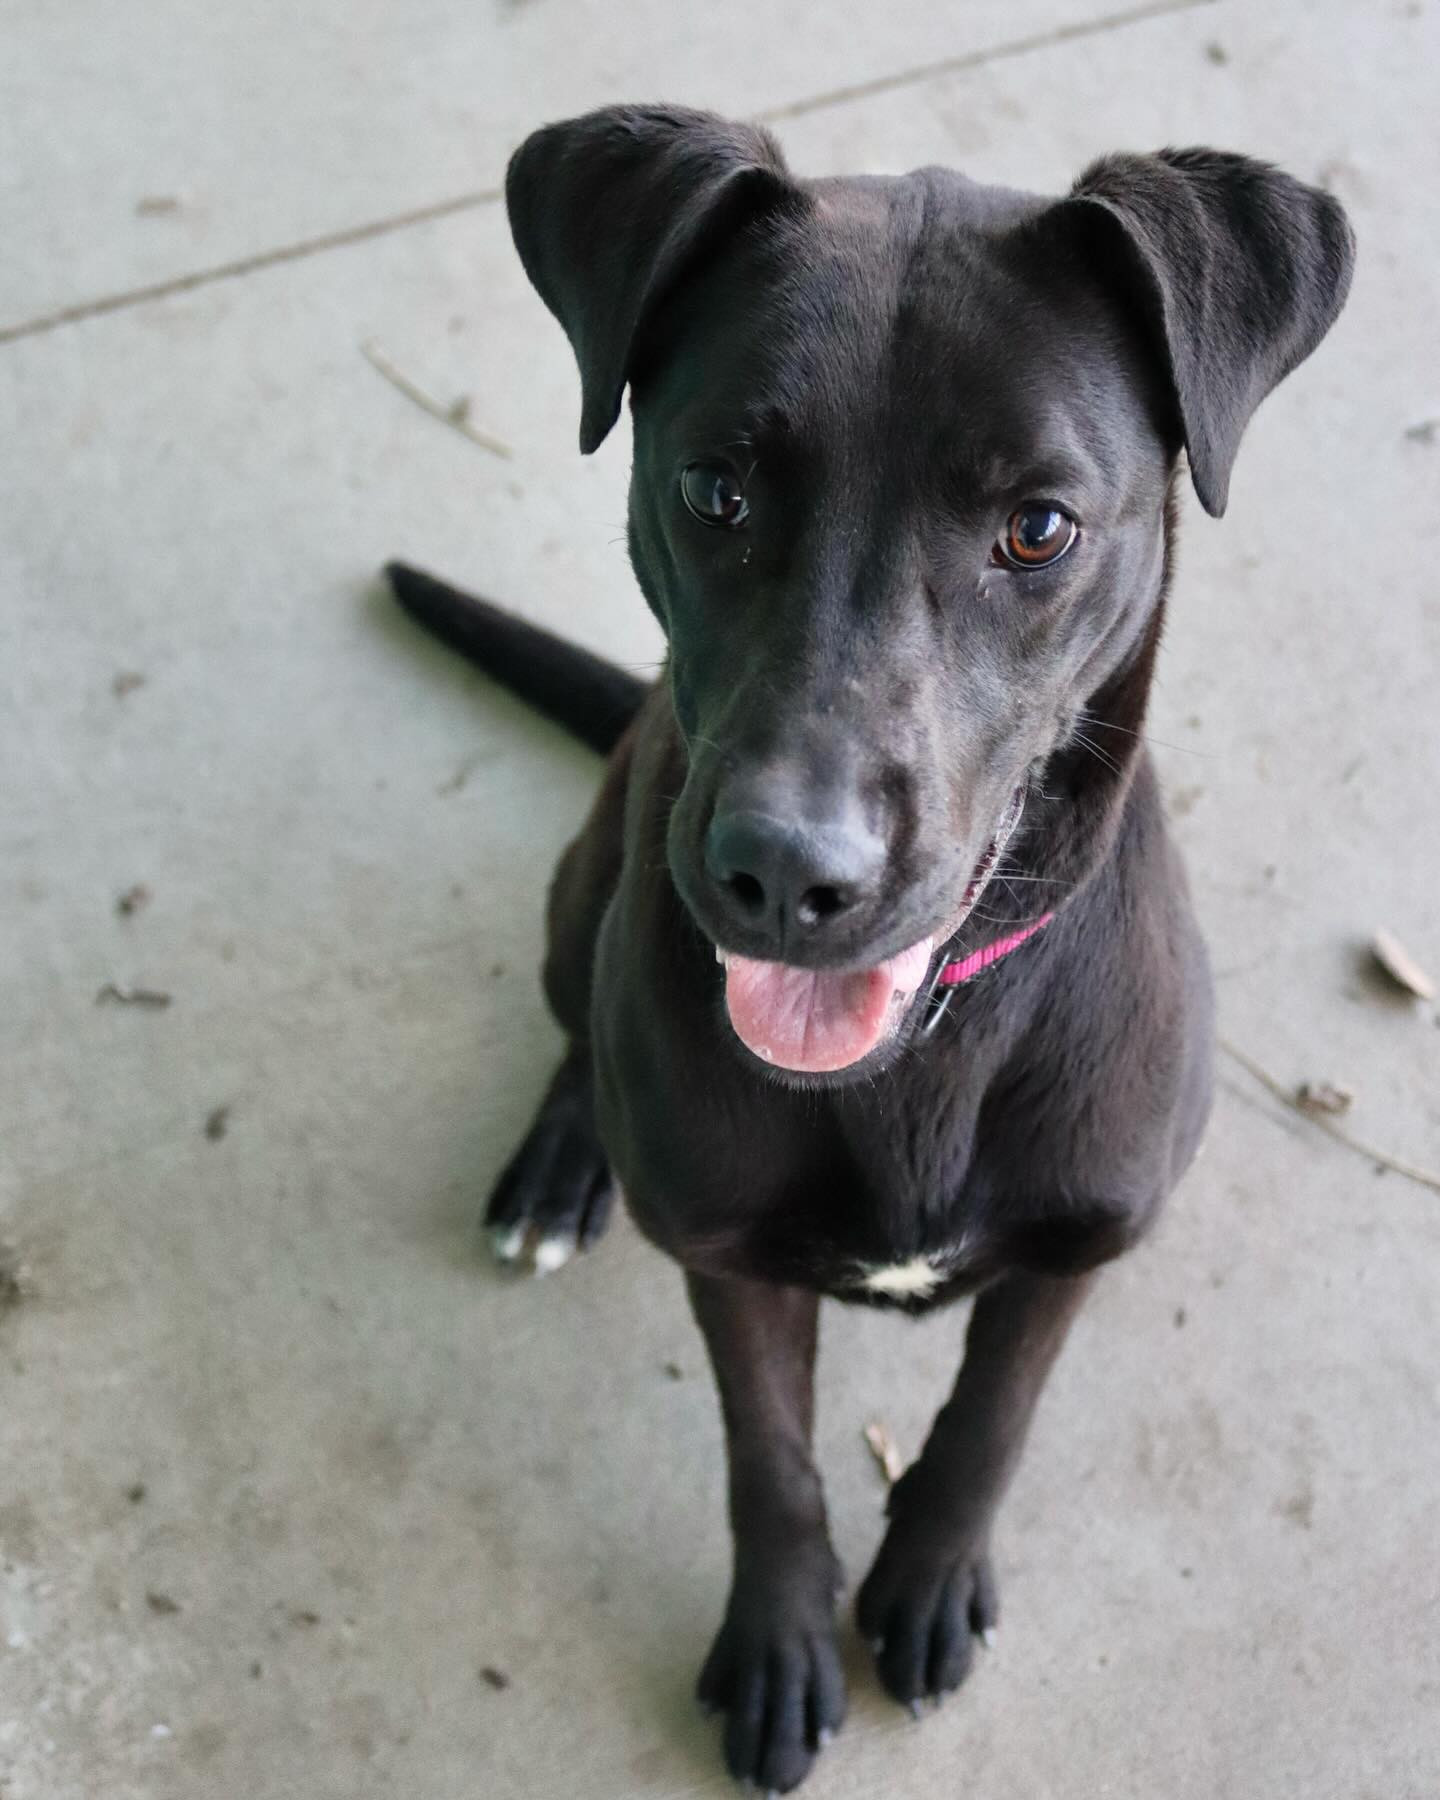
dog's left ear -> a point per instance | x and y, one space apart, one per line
610 211
1241 271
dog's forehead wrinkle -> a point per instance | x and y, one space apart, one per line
851 335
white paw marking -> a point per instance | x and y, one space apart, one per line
553 1253
506 1242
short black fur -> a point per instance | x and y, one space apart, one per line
859 685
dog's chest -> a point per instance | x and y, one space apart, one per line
903 1268
915 1278
902 1219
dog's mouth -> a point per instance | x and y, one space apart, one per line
817 1021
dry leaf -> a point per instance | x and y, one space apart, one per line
885 1450
1401 966
1323 1097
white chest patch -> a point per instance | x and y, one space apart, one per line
916 1278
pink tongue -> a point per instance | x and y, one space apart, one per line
817 1019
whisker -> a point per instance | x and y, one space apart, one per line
1101 756
1145 737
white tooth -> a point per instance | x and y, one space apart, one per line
720 956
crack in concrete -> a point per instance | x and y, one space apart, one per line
304 248
974 59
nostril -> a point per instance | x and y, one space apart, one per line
748 891
817 904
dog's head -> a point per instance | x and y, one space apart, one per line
902 454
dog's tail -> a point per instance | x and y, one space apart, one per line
593 699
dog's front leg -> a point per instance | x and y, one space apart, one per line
931 1590
775 1668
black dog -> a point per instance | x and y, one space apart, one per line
878 964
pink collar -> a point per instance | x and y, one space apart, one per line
954 974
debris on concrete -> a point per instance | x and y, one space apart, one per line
130 902
464 769
1290 1097
14 1278
495 1678
453 415
1183 801
1323 1097
217 1123
156 999
1401 966
161 1604
126 682
885 1450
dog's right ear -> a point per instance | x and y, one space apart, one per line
609 210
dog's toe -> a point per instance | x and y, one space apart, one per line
783 1698
555 1195
923 1618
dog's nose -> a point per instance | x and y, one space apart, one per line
781 876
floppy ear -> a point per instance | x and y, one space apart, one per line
1241 271
609 210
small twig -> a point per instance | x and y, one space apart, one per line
453 416
1291 1097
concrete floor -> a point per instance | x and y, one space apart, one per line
285 1465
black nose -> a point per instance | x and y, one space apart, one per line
782 877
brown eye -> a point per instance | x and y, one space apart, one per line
1034 536
713 494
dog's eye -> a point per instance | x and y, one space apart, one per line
1034 536
713 494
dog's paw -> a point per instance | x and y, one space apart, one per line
775 1673
555 1195
921 1608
